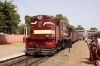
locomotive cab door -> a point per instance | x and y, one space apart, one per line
57 32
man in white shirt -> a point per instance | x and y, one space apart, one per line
86 39
99 44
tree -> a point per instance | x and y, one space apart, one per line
27 20
65 20
73 27
79 27
93 28
61 17
21 29
9 18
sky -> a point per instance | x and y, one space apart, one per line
79 12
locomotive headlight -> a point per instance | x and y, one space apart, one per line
39 17
47 35
30 42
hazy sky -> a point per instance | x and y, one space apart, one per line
78 12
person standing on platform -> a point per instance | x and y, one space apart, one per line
86 39
93 50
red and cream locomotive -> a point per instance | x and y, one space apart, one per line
47 35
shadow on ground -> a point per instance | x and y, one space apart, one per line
86 62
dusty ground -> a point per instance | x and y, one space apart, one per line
79 56
11 49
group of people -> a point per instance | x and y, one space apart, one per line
94 47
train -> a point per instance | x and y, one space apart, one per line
48 35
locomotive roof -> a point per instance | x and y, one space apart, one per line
43 15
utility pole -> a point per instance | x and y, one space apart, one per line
70 44
70 40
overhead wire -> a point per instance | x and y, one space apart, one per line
27 6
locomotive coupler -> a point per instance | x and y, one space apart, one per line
37 49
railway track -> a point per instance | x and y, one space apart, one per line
24 61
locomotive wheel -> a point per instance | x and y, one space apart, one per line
59 47
56 49
63 45
66 44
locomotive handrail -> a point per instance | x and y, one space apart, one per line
48 23
34 22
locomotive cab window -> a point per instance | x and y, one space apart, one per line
57 23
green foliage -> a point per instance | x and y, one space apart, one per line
21 29
71 26
93 28
79 27
64 18
66 22
59 16
9 18
27 20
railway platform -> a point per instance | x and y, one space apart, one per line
79 55
8 51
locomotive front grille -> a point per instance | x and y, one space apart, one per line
42 49
47 49
30 50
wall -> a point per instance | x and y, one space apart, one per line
11 38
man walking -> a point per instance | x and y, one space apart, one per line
86 39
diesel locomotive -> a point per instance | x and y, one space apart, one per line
48 35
